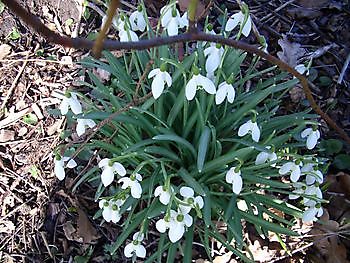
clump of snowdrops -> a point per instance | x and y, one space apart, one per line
201 150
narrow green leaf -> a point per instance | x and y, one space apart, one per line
188 245
191 181
203 147
177 139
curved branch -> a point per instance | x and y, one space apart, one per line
82 43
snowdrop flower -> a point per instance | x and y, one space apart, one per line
233 176
312 174
250 127
225 90
209 30
133 183
171 19
298 191
82 123
301 69
176 224
236 19
264 157
314 191
128 35
160 78
214 54
293 168
119 22
59 166
108 170
71 101
111 210
137 20
135 246
196 81
189 198
311 213
312 136
163 193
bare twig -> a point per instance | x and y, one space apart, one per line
194 35
342 73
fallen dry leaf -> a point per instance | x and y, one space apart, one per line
291 52
7 135
85 228
4 50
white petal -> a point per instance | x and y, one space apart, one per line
167 78
172 27
133 36
230 175
140 251
153 72
207 84
119 168
188 220
107 214
75 104
220 94
158 191
184 209
126 182
141 22
138 177
161 225
255 132
71 163
136 190
129 250
107 176
237 184
233 21
311 141
164 198
309 214
319 212
115 216
138 236
132 20
104 162
230 93
191 89
247 27
80 127
244 128
208 50
101 203
306 132
64 106
59 171
157 86
261 158
285 168
176 232
300 68
213 62
90 123
310 179
183 21
295 175
186 191
199 201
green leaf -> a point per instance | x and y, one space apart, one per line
207 208
267 225
279 204
2 7
188 245
191 181
176 139
203 147
331 146
157 150
172 253
342 161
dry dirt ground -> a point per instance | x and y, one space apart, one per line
41 219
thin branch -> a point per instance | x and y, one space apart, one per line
81 43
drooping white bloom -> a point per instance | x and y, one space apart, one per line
133 183
234 177
298 191
160 78
196 81
264 157
293 169
176 224
119 22
135 246
301 69
236 19
128 35
189 198
312 174
163 193
59 166
225 90
71 101
312 137
311 213
137 20
171 19
312 191
111 209
214 54
108 171
82 123
209 30
250 127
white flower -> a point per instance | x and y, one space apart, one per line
312 191
135 247
163 193
208 31
59 166
312 137
119 22
70 100
137 20
128 35
312 174
236 19
214 54
193 202
250 127
133 183
160 78
264 157
225 90
293 169
171 19
82 123
111 210
176 224
298 191
311 213
196 81
234 178
301 69
108 171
